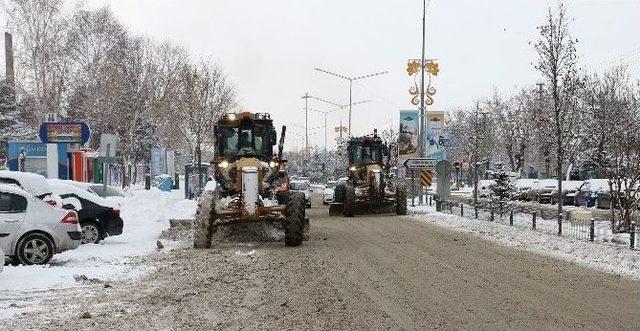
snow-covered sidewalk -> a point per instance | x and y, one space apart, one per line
609 257
145 214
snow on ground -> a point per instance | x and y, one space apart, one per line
609 257
145 213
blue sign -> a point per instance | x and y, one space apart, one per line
36 157
61 132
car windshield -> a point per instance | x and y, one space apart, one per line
331 184
233 140
299 186
366 154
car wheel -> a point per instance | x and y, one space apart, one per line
91 233
34 248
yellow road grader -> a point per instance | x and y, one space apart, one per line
251 182
371 187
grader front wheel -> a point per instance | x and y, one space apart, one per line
203 226
349 201
294 224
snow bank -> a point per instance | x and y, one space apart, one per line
613 258
145 213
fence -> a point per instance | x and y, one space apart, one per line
512 215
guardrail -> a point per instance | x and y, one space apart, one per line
515 215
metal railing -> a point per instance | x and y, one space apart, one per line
521 218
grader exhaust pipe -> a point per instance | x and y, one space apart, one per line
281 144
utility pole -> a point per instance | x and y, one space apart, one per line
9 65
475 157
306 121
422 131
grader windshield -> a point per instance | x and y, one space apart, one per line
243 138
365 152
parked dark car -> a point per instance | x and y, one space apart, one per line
588 193
98 217
569 190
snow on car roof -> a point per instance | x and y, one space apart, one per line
71 182
63 188
30 182
13 189
526 182
571 184
548 182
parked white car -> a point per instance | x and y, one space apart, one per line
329 191
35 184
31 230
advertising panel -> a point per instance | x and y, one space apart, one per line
37 156
436 138
54 132
408 135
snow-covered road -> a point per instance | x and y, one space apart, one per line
145 213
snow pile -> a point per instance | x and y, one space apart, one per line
145 213
614 258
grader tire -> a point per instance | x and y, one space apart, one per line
349 201
339 193
401 201
335 209
294 223
203 226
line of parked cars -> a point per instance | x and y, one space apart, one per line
587 193
40 217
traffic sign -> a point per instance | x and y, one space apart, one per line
422 164
426 178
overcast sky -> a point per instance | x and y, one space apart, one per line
269 48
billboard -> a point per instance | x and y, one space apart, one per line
408 135
58 132
436 138
37 156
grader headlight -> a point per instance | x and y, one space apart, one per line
353 168
223 164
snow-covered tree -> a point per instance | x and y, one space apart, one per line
558 65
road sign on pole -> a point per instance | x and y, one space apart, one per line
421 164
426 178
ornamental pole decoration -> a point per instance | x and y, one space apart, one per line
431 67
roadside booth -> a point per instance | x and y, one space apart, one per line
82 163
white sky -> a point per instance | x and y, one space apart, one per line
269 48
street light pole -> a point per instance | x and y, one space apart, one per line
422 134
351 80
306 121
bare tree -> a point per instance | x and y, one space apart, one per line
557 63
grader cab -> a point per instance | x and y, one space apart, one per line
251 182
371 187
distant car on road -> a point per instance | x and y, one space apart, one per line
98 217
329 191
32 231
305 187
